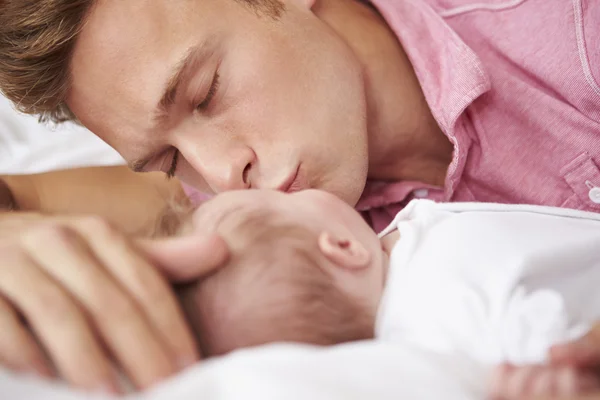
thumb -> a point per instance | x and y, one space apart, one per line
186 258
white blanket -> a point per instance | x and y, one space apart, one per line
366 370
496 283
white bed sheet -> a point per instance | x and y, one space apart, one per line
367 370
27 146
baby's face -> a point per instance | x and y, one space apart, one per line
319 212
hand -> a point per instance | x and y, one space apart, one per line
511 382
77 296
583 355
588 396
583 352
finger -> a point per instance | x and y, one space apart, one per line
566 382
499 380
583 352
573 381
544 383
64 254
21 220
520 383
588 381
188 257
587 396
152 293
60 326
18 349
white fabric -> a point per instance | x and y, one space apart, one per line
366 370
492 282
27 146
471 285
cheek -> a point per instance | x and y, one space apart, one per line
298 97
279 84
246 106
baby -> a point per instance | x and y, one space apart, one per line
497 284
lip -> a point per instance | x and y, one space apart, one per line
290 183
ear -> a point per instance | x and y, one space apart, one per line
347 253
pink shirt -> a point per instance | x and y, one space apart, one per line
514 86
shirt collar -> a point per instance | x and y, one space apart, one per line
450 73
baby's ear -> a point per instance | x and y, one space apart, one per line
346 253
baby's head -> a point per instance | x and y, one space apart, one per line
304 267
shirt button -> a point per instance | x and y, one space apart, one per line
422 193
594 194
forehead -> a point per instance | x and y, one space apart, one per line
125 55
236 204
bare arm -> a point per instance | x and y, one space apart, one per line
93 298
130 201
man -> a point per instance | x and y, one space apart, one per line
280 34
451 100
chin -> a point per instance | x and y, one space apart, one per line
351 192
356 186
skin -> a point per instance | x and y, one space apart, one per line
325 75
141 197
327 89
516 382
90 297
353 254
269 117
572 373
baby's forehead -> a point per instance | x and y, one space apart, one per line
217 213
269 223
256 231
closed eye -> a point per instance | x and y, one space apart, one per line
173 168
212 91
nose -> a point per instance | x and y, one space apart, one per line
223 168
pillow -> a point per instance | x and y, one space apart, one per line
26 146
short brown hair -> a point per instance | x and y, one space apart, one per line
235 308
37 38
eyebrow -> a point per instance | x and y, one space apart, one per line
178 75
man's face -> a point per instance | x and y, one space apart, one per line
260 102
